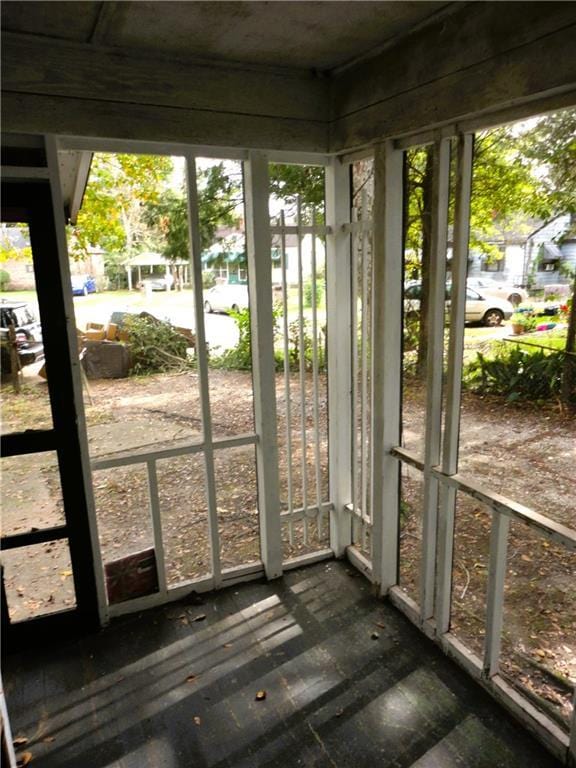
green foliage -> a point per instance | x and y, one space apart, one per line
219 194
239 357
516 373
307 291
4 279
155 346
119 189
304 182
552 145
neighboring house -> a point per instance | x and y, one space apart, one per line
227 258
537 259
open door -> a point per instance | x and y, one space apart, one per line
48 574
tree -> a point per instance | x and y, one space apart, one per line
119 188
551 145
219 195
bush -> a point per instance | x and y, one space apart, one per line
307 291
516 373
208 279
154 345
240 357
4 279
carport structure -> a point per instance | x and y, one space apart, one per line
323 84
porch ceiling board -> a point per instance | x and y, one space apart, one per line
481 59
305 35
31 113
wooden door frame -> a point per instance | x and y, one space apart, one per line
32 203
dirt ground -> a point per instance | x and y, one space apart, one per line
527 454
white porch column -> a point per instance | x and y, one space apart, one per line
129 276
386 362
258 245
339 329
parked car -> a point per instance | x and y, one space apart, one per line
223 298
487 310
507 291
28 334
158 283
82 285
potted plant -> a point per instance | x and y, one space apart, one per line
519 322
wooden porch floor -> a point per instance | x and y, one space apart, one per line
170 688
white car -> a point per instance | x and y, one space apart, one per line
487 310
227 297
507 291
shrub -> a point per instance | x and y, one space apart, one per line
154 345
307 291
240 357
4 279
516 373
208 279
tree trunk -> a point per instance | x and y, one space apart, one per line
568 392
427 184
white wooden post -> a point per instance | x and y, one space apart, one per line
129 276
339 316
259 250
72 342
440 200
202 358
447 503
495 596
386 362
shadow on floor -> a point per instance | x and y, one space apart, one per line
349 682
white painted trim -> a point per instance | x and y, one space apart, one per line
72 341
315 387
287 393
339 316
202 360
294 229
309 559
387 363
302 372
359 561
495 593
404 603
311 512
434 371
156 517
258 245
447 503
184 449
552 530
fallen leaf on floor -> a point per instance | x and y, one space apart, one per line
380 624
197 720
375 636
227 645
19 741
200 617
190 678
48 739
260 695
24 759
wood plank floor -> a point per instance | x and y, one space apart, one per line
170 688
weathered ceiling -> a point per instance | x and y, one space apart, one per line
305 35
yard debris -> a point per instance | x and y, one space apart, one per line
20 741
200 617
24 759
49 739
197 720
375 636
260 695
191 678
